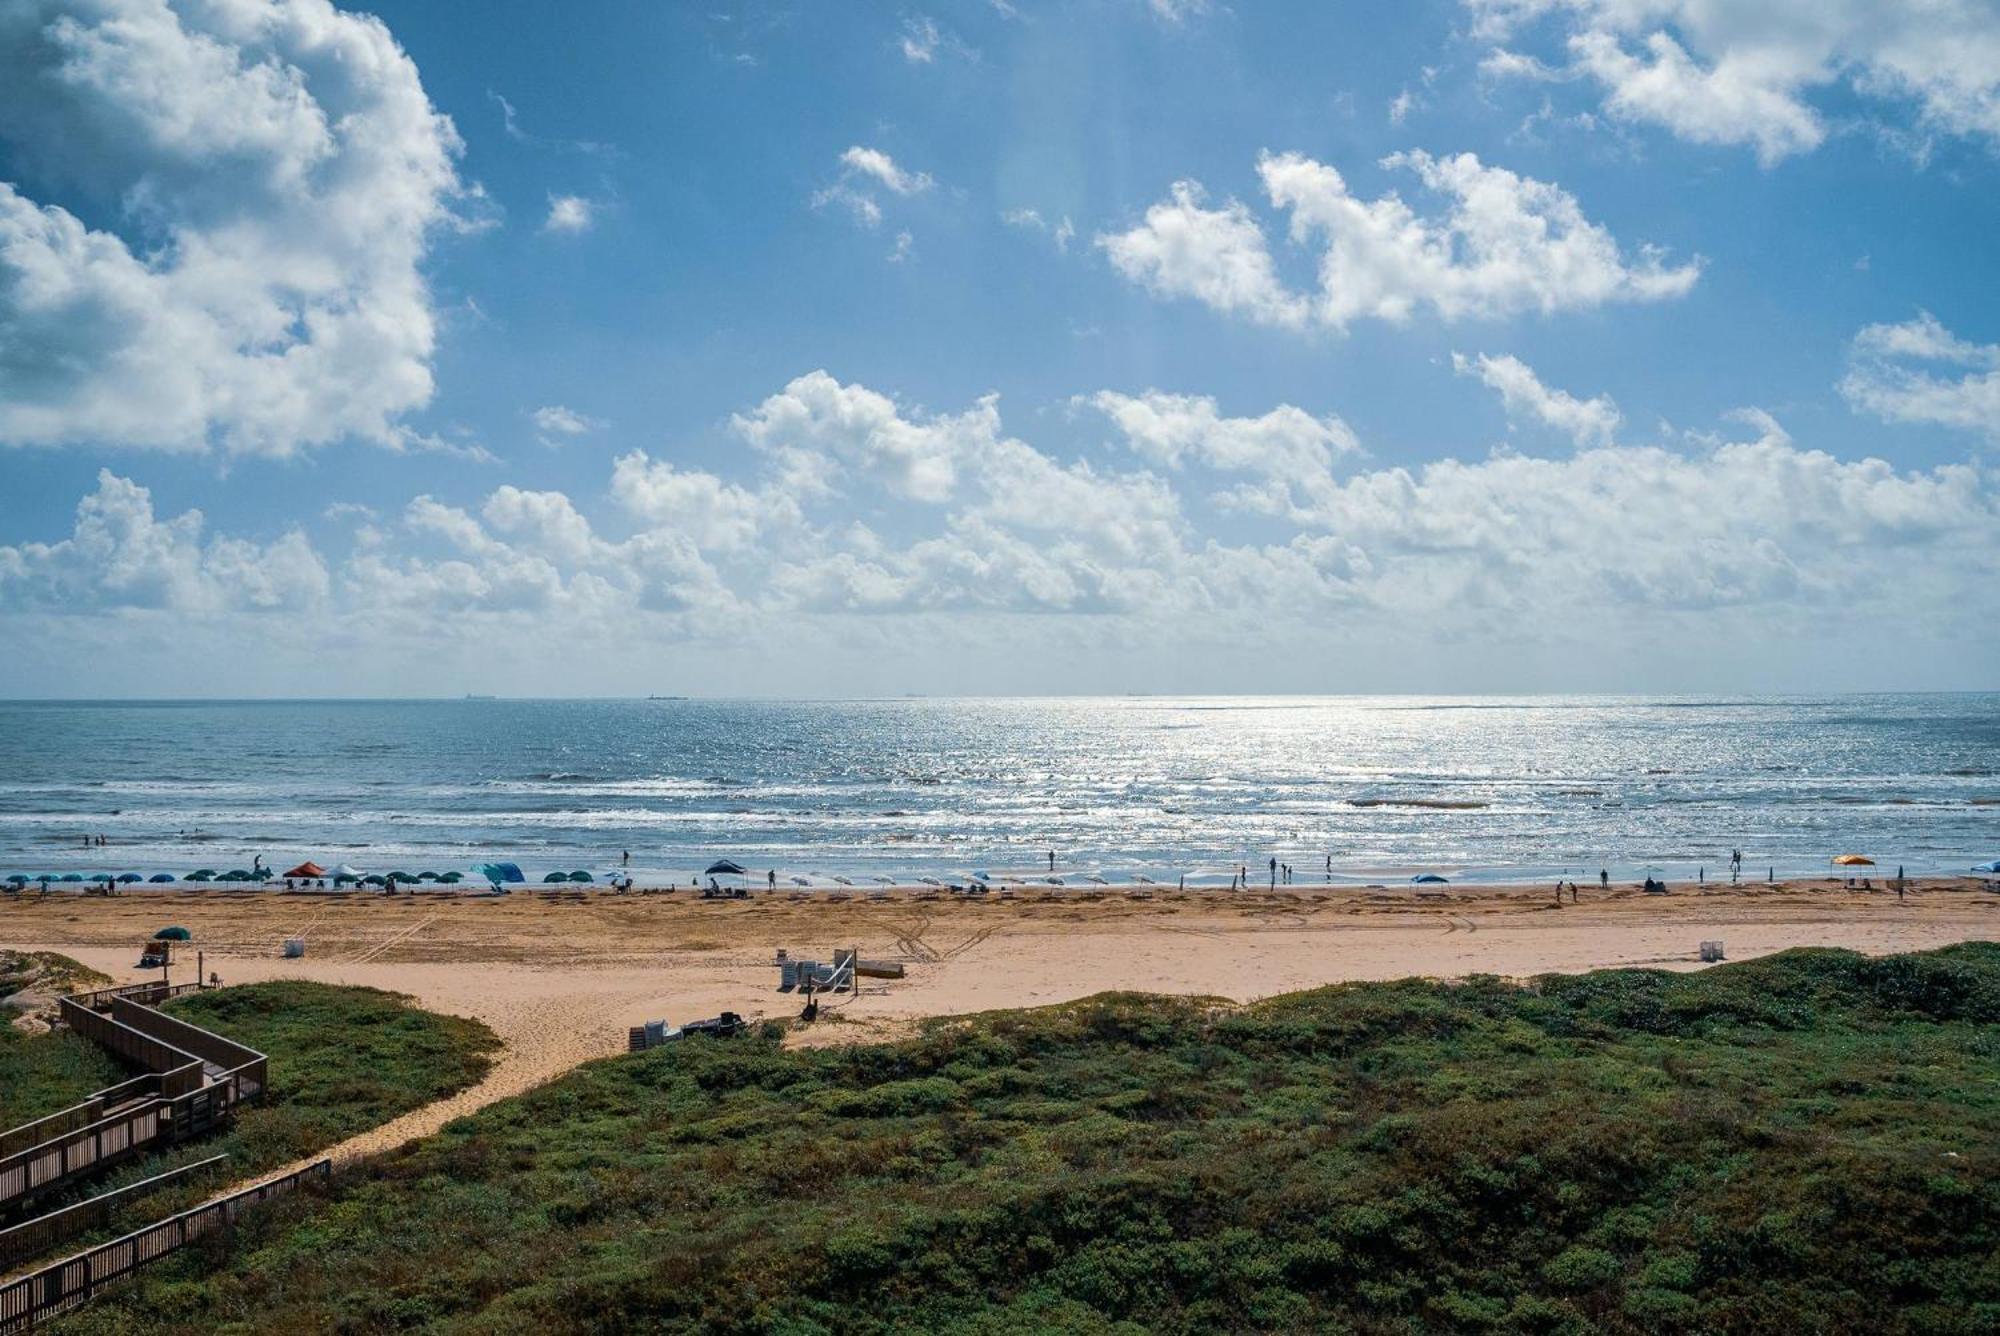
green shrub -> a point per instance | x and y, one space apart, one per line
1805 1142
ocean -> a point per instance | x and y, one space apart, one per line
1486 788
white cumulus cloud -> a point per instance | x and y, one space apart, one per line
1585 421
250 191
1884 376
569 214
1503 244
121 555
1756 73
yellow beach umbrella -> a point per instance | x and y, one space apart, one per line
1853 860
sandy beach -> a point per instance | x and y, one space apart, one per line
561 979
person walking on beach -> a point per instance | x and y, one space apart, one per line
1274 874
1604 878
1052 860
772 877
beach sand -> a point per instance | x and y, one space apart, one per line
561 980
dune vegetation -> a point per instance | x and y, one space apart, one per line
1810 1141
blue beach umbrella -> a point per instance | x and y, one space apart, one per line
1429 879
1993 866
70 876
556 876
581 875
450 878
129 877
19 879
161 877
498 873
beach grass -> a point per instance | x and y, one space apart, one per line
1809 1141
46 1073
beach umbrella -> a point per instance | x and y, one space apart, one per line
238 874
501 872
308 870
450 878
556 876
129 877
199 876
173 934
70 876
1853 860
581 875
161 878
427 876
402 876
1993 866
724 868
349 871
1429 879
374 880
21 878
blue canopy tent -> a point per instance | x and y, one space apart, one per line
724 867
1993 866
1429 879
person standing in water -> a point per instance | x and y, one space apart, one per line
1052 860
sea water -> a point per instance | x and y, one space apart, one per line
1472 788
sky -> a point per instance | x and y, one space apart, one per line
998 346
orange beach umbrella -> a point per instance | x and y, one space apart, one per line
1853 860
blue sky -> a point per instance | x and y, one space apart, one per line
1116 345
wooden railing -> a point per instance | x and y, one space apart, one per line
151 993
77 1115
46 1231
85 1150
42 1294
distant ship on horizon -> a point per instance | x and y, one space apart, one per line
666 698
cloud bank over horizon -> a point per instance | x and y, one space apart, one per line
1607 539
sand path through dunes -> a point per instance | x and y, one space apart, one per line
560 982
